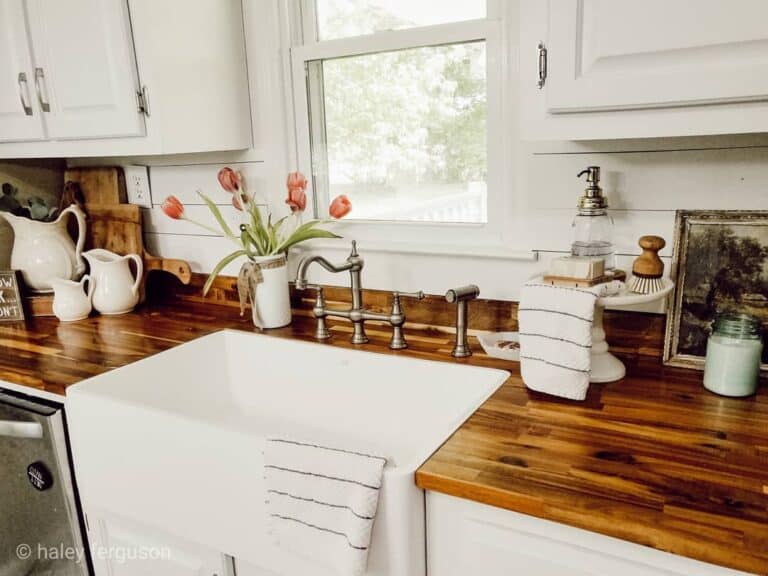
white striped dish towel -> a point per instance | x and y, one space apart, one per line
322 501
555 324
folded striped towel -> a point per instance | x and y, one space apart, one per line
322 501
555 324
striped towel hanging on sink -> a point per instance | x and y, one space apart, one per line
555 324
322 501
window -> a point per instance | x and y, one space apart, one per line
394 102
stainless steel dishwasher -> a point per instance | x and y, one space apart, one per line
41 530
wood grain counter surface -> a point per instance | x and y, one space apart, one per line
654 459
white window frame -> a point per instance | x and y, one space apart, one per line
495 238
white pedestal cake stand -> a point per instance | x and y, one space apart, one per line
605 366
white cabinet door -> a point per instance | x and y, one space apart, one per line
625 54
19 115
85 72
465 537
123 548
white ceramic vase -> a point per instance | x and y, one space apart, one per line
270 298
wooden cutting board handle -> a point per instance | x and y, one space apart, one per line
178 268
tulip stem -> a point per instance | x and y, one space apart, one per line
214 231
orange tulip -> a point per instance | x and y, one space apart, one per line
297 199
229 179
340 207
173 207
296 180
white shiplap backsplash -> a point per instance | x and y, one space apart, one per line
645 189
646 181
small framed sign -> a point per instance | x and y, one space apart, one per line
11 308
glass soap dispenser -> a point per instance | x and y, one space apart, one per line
593 226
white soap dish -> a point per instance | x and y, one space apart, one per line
504 345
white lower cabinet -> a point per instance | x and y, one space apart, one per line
464 537
121 547
247 569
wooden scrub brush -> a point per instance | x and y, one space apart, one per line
648 268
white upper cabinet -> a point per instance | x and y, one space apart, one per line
85 71
20 117
626 69
624 54
122 77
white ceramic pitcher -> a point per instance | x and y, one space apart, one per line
117 290
71 301
43 250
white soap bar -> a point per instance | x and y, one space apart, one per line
583 267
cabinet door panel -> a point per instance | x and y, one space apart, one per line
85 65
123 548
16 123
465 537
624 54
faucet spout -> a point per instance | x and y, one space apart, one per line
301 274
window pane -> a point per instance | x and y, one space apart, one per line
344 18
405 133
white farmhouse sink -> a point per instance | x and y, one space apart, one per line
175 441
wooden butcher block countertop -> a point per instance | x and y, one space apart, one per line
654 459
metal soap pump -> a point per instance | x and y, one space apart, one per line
593 226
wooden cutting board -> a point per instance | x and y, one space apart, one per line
118 228
99 185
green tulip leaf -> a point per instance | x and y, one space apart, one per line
303 234
220 266
216 214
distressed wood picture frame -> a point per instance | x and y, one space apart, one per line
11 304
720 262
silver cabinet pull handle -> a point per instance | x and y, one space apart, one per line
24 93
42 90
21 429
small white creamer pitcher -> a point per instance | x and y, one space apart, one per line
71 301
117 290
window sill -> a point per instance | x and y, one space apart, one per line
493 252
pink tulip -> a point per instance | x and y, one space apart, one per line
236 201
340 207
297 199
173 207
296 180
229 179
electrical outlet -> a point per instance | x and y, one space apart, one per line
137 185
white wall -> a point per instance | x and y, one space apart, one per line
646 181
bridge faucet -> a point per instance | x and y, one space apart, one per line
357 314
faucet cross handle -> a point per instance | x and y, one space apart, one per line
397 309
320 312
397 318
417 295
